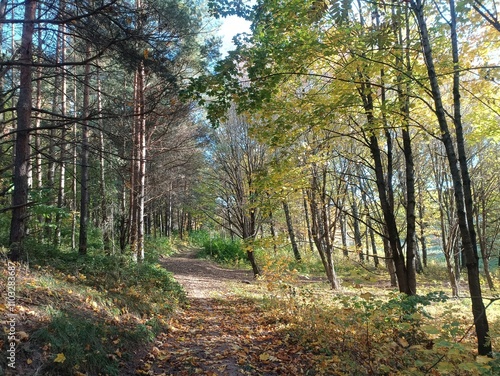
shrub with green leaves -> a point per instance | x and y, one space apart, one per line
223 250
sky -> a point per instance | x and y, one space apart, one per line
231 26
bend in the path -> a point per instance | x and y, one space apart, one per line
202 278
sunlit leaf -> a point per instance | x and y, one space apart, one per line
60 358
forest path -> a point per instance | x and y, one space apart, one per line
219 332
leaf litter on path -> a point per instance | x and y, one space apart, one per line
219 332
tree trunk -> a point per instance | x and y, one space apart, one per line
372 241
61 196
319 227
273 232
308 223
478 309
104 223
389 261
84 177
355 224
343 233
291 232
482 224
18 225
422 225
141 122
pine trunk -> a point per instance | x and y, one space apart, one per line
18 225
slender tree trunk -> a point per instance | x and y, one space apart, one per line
482 221
390 220
142 165
320 227
389 261
372 241
134 172
84 176
291 232
104 219
478 309
74 183
422 226
449 251
308 224
355 224
37 134
18 224
273 232
61 196
343 234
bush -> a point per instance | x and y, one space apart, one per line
223 250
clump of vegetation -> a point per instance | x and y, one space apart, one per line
218 248
369 331
85 314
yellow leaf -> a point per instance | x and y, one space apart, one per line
60 358
366 296
29 361
264 357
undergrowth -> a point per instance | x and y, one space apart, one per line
369 328
218 248
88 315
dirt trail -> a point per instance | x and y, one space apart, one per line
202 279
219 333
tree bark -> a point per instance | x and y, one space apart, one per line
291 232
84 177
18 224
355 224
61 196
478 309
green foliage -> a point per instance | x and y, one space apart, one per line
370 333
84 342
222 250
157 247
199 237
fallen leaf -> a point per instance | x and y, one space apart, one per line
60 358
22 336
366 295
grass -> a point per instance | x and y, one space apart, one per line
88 315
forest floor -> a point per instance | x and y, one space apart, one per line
221 331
